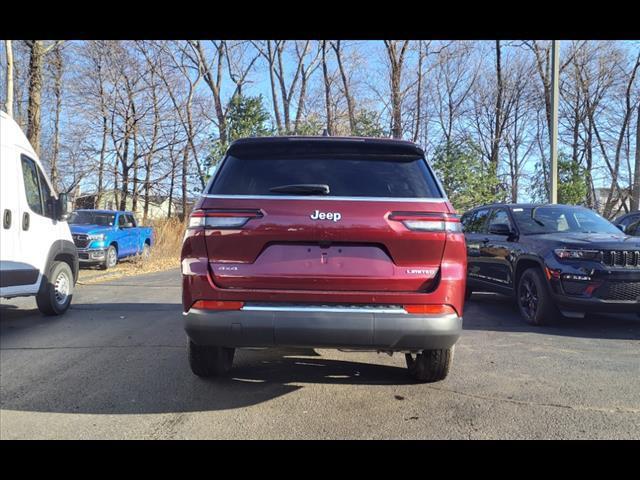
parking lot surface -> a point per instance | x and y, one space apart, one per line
115 366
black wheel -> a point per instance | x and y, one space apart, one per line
56 290
534 299
111 258
210 361
430 365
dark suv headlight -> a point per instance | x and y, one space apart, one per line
576 254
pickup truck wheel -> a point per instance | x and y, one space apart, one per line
56 291
111 258
430 365
210 361
534 299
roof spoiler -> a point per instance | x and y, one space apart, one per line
322 145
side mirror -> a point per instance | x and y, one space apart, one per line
63 206
500 229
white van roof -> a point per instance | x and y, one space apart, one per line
12 134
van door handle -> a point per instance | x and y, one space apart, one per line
25 221
6 219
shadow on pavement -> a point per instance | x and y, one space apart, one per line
128 383
496 312
130 358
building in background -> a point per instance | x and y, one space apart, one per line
618 202
159 205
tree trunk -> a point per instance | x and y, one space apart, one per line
274 91
635 200
149 156
103 151
125 173
396 60
347 92
115 186
171 182
214 86
185 160
35 93
327 88
9 51
497 133
396 108
57 91
416 128
592 200
301 99
134 188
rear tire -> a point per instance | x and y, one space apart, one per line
210 361
56 290
430 365
534 299
111 258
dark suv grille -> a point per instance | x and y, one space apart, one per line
621 258
622 291
80 240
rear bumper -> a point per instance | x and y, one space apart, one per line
357 328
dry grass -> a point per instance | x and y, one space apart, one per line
165 254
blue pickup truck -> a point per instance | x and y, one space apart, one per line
103 237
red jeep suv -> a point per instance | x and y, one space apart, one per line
326 242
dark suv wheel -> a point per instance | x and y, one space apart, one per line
430 365
534 299
210 361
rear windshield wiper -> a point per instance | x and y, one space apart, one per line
302 189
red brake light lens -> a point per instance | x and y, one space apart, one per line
221 219
429 309
428 222
217 305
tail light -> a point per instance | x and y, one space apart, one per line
429 309
217 305
428 222
221 219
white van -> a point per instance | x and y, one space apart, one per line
37 254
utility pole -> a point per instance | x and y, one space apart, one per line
555 54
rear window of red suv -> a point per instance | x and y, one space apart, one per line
395 176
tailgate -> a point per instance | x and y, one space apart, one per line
323 244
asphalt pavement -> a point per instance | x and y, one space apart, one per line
114 366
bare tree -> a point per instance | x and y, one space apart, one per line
396 51
212 73
346 88
635 198
9 75
327 88
57 65
38 51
